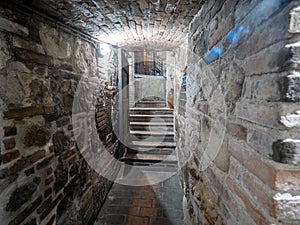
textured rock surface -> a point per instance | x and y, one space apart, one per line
43 173
227 115
36 135
4 54
147 87
132 24
243 93
22 195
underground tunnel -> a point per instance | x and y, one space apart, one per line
133 112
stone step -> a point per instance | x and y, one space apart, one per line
151 144
147 126
150 124
151 111
150 157
157 167
151 118
147 104
144 174
157 151
152 133
150 138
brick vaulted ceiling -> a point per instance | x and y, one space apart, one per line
132 24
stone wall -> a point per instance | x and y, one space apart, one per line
125 22
175 69
45 178
240 135
149 87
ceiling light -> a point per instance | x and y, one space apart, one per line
104 48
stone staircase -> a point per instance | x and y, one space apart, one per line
152 136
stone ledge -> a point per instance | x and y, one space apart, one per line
287 151
10 26
291 87
29 112
295 19
277 176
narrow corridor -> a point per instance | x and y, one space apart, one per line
159 204
155 195
171 112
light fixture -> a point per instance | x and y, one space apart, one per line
104 48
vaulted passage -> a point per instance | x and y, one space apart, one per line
149 112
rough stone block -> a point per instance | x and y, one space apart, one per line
22 195
212 173
31 46
45 205
49 180
232 209
236 130
10 26
222 158
287 180
10 131
26 212
262 11
259 193
263 35
243 8
258 88
291 87
61 142
266 115
258 166
25 162
48 192
11 91
9 143
222 30
33 158
291 120
260 141
295 21
287 151
4 53
30 171
255 213
10 156
27 56
236 170
51 206
61 177
19 67
46 162
28 112
201 106
19 165
287 206
275 58
56 44
36 136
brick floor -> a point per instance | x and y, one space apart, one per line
159 204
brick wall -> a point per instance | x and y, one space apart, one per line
251 93
128 22
44 176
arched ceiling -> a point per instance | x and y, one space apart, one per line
132 24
